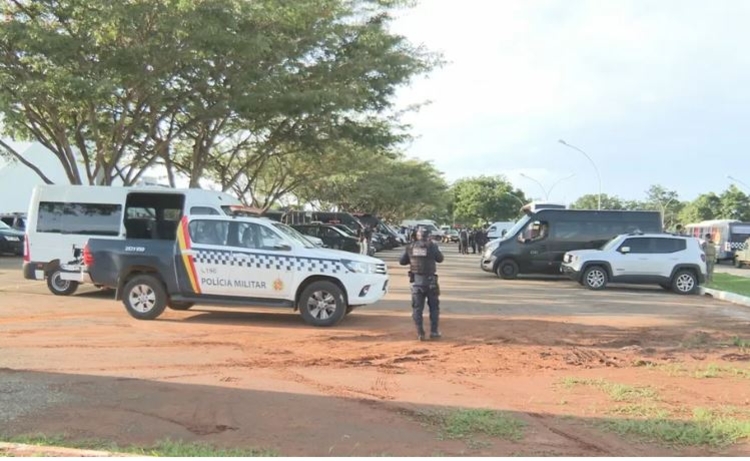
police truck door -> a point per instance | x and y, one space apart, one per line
265 266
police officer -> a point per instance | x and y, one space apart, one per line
710 249
421 256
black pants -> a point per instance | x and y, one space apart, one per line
419 294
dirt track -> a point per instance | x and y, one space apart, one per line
250 377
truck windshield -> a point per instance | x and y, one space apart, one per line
520 224
293 235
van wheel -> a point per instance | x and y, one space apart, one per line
60 287
144 297
595 278
507 269
179 305
322 304
685 282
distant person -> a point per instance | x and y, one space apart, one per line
679 230
710 249
463 238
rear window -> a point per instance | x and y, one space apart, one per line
79 218
667 245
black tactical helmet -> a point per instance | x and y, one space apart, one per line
424 232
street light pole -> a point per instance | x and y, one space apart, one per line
599 201
516 197
558 182
546 194
731 178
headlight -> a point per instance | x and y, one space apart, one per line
359 267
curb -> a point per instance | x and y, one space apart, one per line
22 449
733 298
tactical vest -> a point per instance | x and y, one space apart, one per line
420 256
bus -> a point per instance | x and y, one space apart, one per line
728 235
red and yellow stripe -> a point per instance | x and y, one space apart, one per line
183 240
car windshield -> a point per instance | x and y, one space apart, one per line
520 224
293 235
611 244
4 226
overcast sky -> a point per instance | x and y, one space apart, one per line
655 91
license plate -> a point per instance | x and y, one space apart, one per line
13 239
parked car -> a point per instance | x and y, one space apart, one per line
331 236
671 261
11 240
15 220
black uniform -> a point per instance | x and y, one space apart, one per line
421 256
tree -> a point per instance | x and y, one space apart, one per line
666 202
485 199
201 87
735 204
705 207
393 188
590 202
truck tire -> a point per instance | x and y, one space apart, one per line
737 263
179 305
685 282
60 287
595 278
322 304
507 269
144 297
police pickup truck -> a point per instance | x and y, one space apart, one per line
240 261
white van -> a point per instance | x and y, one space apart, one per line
62 218
496 229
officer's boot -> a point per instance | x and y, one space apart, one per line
421 335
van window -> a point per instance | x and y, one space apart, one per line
79 218
536 230
153 216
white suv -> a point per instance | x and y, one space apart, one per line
671 261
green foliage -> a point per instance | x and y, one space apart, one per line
706 427
381 183
590 202
705 207
205 88
730 283
735 204
163 448
485 199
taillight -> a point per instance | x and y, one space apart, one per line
26 249
88 258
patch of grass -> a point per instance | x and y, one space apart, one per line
640 410
713 428
166 448
720 371
617 392
730 283
697 340
467 423
741 343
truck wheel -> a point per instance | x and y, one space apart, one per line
507 269
144 297
60 287
322 304
685 282
595 278
179 305
737 263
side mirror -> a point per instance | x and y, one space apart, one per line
625 250
282 247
